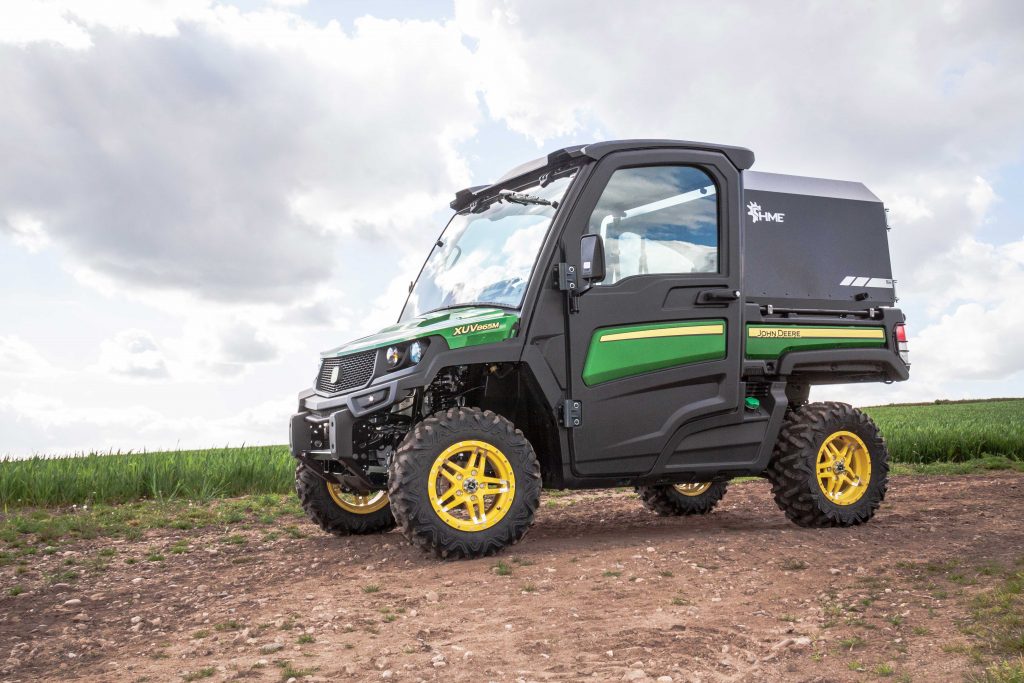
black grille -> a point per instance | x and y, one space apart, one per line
353 371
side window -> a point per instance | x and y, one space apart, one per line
657 219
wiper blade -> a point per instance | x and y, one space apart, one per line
523 198
472 303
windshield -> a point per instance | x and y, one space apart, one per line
486 257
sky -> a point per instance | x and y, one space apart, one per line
197 197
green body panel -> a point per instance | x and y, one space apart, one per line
460 327
624 357
768 348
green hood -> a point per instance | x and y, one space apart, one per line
460 327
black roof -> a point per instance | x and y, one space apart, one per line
740 157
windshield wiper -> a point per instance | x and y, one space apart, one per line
523 198
472 303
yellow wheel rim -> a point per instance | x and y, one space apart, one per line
844 468
471 485
351 502
692 489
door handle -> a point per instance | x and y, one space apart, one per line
717 296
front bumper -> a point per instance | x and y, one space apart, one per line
329 419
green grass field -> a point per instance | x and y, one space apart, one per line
952 432
944 438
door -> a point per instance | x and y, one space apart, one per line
655 346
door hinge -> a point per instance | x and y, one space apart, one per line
572 413
567 277
568 283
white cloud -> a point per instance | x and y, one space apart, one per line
19 358
973 342
133 354
29 417
27 231
230 160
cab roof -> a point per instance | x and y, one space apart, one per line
740 157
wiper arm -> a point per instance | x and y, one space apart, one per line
472 303
523 198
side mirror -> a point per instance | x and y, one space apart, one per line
591 260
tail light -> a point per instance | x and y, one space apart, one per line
901 343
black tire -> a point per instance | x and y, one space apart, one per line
410 479
793 469
668 501
325 512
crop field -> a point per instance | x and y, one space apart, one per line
953 431
987 432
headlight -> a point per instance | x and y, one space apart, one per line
415 352
405 355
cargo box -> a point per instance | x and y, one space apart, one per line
812 243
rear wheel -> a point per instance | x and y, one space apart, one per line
464 483
830 466
338 512
696 498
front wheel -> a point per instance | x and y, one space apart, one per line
464 483
338 512
696 498
830 466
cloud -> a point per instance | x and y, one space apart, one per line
133 354
26 231
27 418
18 358
973 341
229 154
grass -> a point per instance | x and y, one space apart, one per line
123 477
1001 672
952 431
288 671
937 438
997 617
25 528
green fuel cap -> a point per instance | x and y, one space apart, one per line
752 403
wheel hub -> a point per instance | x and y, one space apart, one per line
471 485
353 502
843 468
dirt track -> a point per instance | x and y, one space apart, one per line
599 590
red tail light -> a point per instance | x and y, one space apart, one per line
901 333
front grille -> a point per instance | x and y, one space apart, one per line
353 372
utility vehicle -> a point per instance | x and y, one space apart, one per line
645 313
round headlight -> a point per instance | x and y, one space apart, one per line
393 356
415 352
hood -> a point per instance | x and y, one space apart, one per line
461 327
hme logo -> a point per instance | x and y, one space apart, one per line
755 212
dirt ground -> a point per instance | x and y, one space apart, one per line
599 590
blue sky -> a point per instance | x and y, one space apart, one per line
199 196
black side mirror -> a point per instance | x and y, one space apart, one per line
591 259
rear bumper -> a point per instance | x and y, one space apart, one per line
845 365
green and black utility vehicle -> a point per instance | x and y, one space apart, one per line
646 313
